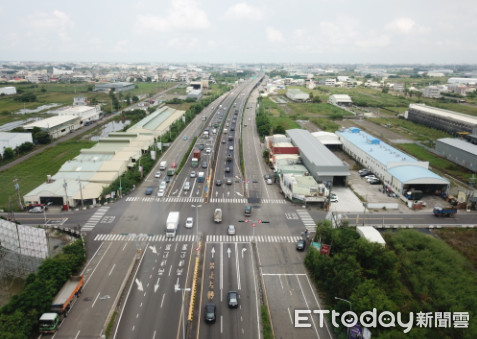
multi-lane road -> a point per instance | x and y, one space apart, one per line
135 270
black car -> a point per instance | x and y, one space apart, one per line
364 173
232 299
204 164
300 245
232 128
167 179
227 169
201 147
218 182
210 313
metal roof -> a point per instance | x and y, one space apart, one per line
408 174
314 150
444 113
460 144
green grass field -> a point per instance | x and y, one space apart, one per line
32 172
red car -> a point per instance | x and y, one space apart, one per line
174 165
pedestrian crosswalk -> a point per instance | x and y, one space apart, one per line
193 238
94 219
200 200
308 221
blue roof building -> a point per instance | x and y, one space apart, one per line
394 167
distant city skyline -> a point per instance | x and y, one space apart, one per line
213 31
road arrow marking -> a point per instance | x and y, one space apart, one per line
239 194
153 249
139 285
243 250
216 193
156 286
212 251
228 252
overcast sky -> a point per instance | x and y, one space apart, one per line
224 31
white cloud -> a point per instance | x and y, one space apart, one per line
121 46
274 35
183 42
182 15
243 10
340 32
373 40
41 24
300 33
405 26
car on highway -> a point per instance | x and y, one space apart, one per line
232 128
192 174
189 222
201 147
167 179
231 148
229 181
163 185
208 150
204 164
218 182
231 230
232 299
300 245
227 169
185 137
174 165
223 141
160 193
149 190
158 174
210 315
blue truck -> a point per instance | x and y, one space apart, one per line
444 212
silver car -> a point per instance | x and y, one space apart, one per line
231 230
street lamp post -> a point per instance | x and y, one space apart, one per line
183 290
349 302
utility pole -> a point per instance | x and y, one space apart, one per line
17 188
81 193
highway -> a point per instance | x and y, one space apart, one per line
134 269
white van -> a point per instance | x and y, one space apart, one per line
163 165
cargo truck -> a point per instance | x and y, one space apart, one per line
218 215
163 165
195 158
444 212
201 177
61 304
172 223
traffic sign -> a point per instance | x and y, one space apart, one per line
254 224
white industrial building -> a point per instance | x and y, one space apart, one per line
13 140
56 126
86 113
465 81
394 168
340 99
371 234
295 94
8 90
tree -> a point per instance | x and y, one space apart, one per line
279 129
8 153
25 147
42 137
135 99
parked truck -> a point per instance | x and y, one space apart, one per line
61 304
172 223
218 215
444 212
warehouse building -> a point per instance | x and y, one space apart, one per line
8 90
158 122
56 126
13 140
87 114
322 164
117 86
459 151
340 100
448 121
394 168
295 94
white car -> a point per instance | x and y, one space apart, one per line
189 222
160 193
192 174
157 175
231 148
208 150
